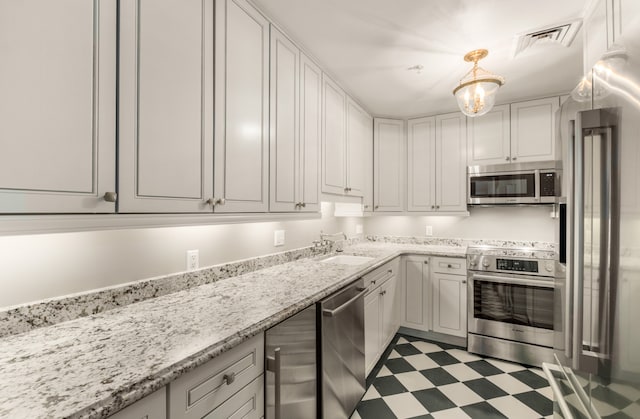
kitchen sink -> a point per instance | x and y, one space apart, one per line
347 259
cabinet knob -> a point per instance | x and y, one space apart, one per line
507 158
210 201
433 206
303 204
229 378
110 196
376 207
464 281
390 271
220 201
514 158
366 206
426 262
373 282
437 207
449 266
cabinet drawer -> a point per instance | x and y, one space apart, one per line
375 278
248 403
200 391
154 406
455 266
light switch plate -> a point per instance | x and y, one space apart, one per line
428 231
278 238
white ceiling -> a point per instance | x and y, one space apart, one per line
368 45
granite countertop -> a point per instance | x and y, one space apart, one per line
92 366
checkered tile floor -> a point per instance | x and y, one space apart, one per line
423 379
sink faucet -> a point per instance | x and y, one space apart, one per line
331 238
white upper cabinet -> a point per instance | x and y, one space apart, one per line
166 106
358 122
533 130
451 158
388 164
57 106
421 159
344 138
285 130
334 149
436 156
241 166
310 131
295 128
488 137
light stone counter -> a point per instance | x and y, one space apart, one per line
92 366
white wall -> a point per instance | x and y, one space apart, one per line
35 267
507 223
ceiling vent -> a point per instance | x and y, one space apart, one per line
562 34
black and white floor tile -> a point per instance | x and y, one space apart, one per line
423 379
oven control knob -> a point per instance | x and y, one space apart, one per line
473 262
548 266
486 263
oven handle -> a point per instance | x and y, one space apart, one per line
512 280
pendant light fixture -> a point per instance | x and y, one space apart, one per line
476 93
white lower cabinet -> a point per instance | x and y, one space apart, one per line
416 293
230 385
449 304
381 311
154 406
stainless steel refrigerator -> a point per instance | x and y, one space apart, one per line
597 373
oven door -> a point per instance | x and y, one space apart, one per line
504 188
513 307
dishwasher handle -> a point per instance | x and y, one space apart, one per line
335 311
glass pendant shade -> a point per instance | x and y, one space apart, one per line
476 93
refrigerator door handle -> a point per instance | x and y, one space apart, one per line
577 243
273 365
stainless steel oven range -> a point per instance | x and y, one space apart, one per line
510 305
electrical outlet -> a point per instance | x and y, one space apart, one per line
358 228
428 231
193 260
278 238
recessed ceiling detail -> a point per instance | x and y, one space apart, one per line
562 34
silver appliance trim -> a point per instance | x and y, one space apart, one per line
515 168
509 350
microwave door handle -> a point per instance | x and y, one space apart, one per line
537 185
515 281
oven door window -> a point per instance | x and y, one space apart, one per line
507 186
516 304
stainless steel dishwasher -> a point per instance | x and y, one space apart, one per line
342 351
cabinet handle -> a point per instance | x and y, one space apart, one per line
433 206
273 365
210 201
507 158
303 204
220 201
298 204
514 158
110 196
229 378
437 207
390 271
373 282
426 262
449 266
376 207
464 281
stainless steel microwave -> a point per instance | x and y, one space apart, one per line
521 183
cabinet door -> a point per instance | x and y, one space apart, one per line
154 406
356 131
390 311
166 106
284 129
242 108
624 12
57 106
421 168
488 137
533 130
367 198
415 293
449 304
310 129
334 150
248 403
451 158
371 329
388 164
595 33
